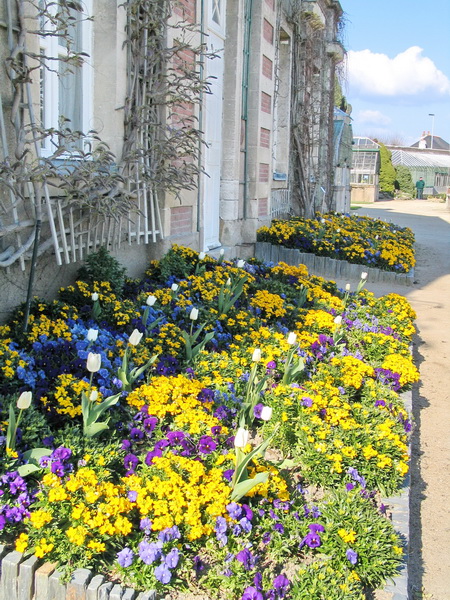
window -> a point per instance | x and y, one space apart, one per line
217 11
65 82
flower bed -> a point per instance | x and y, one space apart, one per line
356 239
220 428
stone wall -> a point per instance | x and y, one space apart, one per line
32 579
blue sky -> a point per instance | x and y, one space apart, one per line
398 67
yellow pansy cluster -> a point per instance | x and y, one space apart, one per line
9 359
271 305
351 371
174 491
319 321
182 492
168 341
284 271
66 395
176 399
403 365
53 328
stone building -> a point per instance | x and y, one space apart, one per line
262 129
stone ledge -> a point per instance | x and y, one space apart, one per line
30 579
329 267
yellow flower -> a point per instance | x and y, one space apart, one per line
39 518
349 537
22 542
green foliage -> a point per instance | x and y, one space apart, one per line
101 266
174 264
339 98
404 180
387 171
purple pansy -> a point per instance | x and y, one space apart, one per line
251 593
206 445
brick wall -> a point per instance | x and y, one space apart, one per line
180 220
185 9
263 172
266 103
268 31
267 67
263 207
264 138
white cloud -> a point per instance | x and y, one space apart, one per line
409 74
372 117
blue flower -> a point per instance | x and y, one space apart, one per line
163 574
125 557
149 552
234 510
352 556
145 525
172 558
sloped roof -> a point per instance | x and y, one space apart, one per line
419 158
438 143
364 143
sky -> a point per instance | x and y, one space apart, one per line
398 68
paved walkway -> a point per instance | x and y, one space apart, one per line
429 553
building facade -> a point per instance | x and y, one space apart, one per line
141 124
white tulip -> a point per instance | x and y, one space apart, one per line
194 314
201 256
363 275
266 413
322 220
151 300
338 320
241 438
92 335
228 282
94 396
292 338
221 252
347 287
94 297
256 355
240 264
174 287
24 400
135 337
94 362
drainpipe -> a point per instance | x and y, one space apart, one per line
200 111
245 85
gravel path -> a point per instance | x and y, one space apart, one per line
429 551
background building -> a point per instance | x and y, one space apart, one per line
365 170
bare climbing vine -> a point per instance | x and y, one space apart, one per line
312 179
162 140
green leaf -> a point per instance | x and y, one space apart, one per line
95 429
242 489
241 467
35 454
11 433
25 470
97 410
139 370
